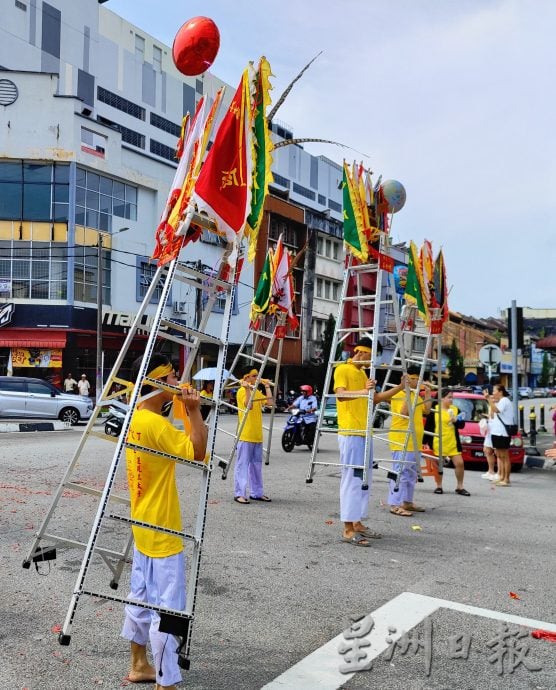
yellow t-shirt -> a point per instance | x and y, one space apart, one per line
152 484
352 414
399 425
205 394
449 445
253 429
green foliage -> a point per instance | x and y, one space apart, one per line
455 365
544 378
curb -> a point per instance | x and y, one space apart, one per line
35 426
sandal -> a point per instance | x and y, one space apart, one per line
463 492
241 500
370 534
357 540
413 508
265 499
402 512
438 490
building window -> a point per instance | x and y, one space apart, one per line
85 276
322 200
199 86
319 287
336 251
130 136
220 301
320 245
99 198
35 270
115 101
34 191
328 248
157 58
334 206
165 125
282 181
21 5
163 151
139 47
92 142
303 191
146 270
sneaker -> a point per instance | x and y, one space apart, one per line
495 478
488 475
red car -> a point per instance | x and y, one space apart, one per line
474 407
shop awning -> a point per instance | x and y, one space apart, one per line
43 338
548 343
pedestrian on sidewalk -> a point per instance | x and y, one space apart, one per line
158 569
70 384
249 462
84 386
501 415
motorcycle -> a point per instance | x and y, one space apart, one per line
115 420
297 432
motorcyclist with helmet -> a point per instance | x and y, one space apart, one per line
308 404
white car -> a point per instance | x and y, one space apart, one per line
25 397
525 392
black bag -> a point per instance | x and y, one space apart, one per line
511 429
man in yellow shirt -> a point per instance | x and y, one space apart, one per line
401 501
352 388
249 461
158 569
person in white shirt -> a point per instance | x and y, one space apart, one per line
69 384
501 415
83 385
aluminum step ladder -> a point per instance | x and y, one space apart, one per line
258 355
112 519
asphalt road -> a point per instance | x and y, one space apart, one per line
277 582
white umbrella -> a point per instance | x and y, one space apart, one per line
210 374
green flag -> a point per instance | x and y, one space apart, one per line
261 300
414 285
354 238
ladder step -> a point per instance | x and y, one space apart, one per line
193 463
187 330
103 436
155 528
101 550
182 271
135 602
82 488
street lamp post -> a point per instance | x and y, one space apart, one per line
99 382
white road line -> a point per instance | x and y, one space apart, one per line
321 668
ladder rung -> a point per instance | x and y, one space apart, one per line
82 488
74 542
156 528
151 451
104 437
217 282
188 330
135 602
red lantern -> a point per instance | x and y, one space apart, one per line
195 46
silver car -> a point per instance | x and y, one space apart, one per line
25 397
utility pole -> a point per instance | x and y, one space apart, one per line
98 377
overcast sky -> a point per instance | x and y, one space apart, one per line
453 98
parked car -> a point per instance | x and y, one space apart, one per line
330 413
25 397
474 407
540 392
525 392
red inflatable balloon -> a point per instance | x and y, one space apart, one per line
195 46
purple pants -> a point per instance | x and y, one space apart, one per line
354 502
408 478
249 469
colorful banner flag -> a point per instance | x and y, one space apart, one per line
414 283
29 357
283 298
355 240
223 188
427 269
262 175
261 300
441 286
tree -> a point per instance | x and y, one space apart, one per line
328 337
455 365
544 378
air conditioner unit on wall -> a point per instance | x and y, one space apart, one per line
180 307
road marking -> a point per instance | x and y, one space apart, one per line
321 668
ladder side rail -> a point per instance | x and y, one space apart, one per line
71 467
205 483
89 550
336 340
276 385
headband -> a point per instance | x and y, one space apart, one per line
161 371
253 372
362 348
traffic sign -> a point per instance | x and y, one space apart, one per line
490 355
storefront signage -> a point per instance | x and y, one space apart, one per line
6 313
125 320
22 357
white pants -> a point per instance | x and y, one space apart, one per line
408 478
158 581
354 502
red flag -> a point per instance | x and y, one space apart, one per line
282 293
223 188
